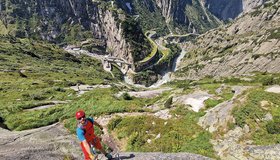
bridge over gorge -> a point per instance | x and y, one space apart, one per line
106 60
122 64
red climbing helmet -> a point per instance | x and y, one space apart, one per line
80 114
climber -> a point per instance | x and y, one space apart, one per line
85 133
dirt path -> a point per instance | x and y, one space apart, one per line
81 89
52 104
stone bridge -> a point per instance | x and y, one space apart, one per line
122 64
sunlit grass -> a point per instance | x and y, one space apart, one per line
252 113
176 135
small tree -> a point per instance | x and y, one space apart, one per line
168 102
273 127
126 96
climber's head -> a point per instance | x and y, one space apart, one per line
80 115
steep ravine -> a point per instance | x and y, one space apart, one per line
69 21
166 77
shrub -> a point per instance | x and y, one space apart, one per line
59 89
33 96
114 123
168 102
232 80
126 96
147 78
273 127
249 111
274 34
266 81
210 103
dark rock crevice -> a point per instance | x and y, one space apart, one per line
2 125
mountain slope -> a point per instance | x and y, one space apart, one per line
230 9
249 44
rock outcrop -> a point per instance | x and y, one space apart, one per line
162 156
220 115
229 147
50 142
249 5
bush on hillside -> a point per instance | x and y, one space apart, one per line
126 96
168 102
266 81
250 111
114 123
273 127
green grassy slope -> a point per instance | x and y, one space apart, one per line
35 73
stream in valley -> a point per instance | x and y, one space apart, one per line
166 77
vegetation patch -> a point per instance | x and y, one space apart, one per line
36 73
134 35
146 78
146 13
254 112
210 103
184 84
266 79
274 33
150 134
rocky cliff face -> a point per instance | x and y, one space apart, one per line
248 5
196 15
230 9
68 21
117 44
166 8
224 9
188 13
249 44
